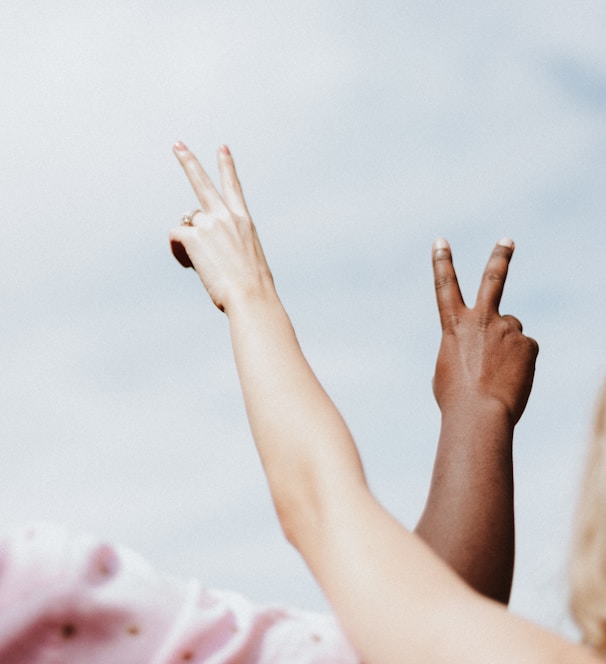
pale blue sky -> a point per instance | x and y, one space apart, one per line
362 130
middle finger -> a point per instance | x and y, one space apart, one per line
495 274
210 199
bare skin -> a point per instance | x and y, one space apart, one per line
396 599
482 392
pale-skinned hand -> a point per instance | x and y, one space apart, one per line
221 243
484 357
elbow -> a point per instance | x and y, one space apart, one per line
288 525
311 500
299 514
310 513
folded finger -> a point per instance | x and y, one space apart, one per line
515 322
448 294
210 199
534 346
495 274
230 184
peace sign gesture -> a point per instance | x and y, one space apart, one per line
219 240
483 355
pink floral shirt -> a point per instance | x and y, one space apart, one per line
69 599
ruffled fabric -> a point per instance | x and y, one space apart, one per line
68 598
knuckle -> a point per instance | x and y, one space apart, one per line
484 320
444 281
217 225
512 321
450 322
533 345
242 221
494 276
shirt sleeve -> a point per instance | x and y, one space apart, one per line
70 598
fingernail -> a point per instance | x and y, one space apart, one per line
440 243
180 147
506 242
225 150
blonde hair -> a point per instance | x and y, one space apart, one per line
588 565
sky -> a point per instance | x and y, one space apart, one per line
361 130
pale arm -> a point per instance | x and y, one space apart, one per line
307 451
397 601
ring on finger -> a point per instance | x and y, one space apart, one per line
188 218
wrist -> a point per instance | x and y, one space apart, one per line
478 412
260 325
470 403
242 301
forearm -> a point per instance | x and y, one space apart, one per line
469 515
305 446
308 454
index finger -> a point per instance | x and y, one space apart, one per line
210 199
448 293
495 274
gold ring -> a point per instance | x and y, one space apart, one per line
188 219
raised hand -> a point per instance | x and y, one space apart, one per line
483 355
220 241
303 441
483 378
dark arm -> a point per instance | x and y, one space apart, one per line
469 517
